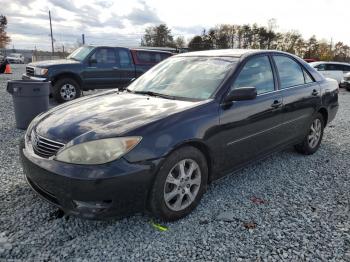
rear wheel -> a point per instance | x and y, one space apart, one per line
312 140
66 89
179 185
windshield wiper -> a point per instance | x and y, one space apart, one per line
151 93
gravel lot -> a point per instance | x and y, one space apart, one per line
287 207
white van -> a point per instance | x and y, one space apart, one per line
335 70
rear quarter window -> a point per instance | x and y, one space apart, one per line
150 57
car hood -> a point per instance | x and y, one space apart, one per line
105 115
49 63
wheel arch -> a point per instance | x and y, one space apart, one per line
62 75
323 111
204 149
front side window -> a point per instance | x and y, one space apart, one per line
321 67
257 72
185 77
289 71
104 56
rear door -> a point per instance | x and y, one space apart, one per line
101 70
126 68
301 96
251 128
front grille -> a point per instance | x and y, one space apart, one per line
347 78
30 71
44 147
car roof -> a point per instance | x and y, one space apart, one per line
222 52
130 48
328 62
231 52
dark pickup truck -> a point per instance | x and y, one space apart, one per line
91 67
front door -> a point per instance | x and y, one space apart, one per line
251 128
102 68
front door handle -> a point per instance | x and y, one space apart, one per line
115 68
314 92
276 104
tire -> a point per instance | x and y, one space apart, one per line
66 89
313 139
179 204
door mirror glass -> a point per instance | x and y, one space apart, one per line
241 93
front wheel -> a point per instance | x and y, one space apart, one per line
179 185
312 140
66 89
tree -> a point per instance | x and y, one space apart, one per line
253 36
180 42
4 39
158 36
196 43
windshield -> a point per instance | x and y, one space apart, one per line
80 53
186 77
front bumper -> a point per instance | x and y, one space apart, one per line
114 189
345 84
34 78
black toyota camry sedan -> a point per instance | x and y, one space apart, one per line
190 120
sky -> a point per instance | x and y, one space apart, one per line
122 23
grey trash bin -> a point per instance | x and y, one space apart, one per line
30 98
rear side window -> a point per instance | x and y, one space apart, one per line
346 68
150 57
104 56
124 58
257 72
289 71
334 67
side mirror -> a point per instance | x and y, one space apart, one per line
241 94
92 61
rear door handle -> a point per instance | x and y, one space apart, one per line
115 68
276 104
314 92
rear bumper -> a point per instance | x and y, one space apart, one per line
116 189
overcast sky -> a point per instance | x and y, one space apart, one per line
115 22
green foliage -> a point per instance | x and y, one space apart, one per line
158 36
4 39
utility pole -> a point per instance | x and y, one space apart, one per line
83 38
53 51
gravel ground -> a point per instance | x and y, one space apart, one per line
288 207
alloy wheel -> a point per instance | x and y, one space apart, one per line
182 185
68 92
315 133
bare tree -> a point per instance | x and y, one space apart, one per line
4 38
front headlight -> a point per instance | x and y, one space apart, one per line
98 151
40 71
